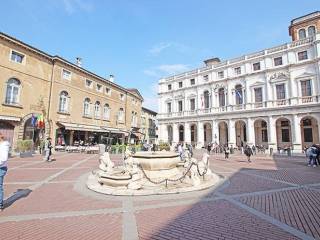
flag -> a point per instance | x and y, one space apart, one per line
33 121
40 121
239 94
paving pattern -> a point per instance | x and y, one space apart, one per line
271 198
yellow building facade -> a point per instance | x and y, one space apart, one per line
75 104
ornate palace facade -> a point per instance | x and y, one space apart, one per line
269 98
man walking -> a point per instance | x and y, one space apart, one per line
47 149
248 152
4 153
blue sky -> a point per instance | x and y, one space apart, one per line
140 41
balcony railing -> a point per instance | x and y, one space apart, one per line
241 107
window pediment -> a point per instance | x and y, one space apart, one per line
257 84
304 76
278 77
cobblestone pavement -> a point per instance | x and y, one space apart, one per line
270 198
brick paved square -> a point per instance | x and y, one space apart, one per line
72 174
214 220
29 175
81 228
298 208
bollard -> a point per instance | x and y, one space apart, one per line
289 152
271 151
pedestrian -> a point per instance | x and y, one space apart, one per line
180 151
189 147
248 152
47 149
4 154
209 148
226 152
254 150
311 154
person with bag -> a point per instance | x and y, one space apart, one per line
248 152
4 154
47 149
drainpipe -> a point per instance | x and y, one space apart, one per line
50 97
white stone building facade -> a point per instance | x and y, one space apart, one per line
268 98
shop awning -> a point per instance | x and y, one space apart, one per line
115 130
10 118
82 127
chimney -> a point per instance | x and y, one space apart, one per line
111 78
78 61
212 61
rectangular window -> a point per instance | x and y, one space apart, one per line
192 81
99 87
121 97
16 57
192 104
277 61
169 110
220 74
66 74
169 87
205 78
256 66
285 135
281 92
302 55
179 106
180 84
237 71
258 95
306 88
108 91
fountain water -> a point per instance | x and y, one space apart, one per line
146 173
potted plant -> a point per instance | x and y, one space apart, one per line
24 147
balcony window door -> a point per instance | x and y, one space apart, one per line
192 104
239 94
222 97
206 99
281 91
306 89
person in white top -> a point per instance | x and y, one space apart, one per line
4 154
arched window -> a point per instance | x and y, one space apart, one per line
239 94
86 107
106 112
222 97
97 109
64 102
302 34
206 98
121 115
13 91
311 31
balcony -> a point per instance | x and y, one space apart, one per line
241 107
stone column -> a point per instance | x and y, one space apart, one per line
175 134
272 134
200 135
250 132
187 133
71 138
231 133
296 134
163 133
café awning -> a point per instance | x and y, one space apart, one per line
81 127
116 130
10 118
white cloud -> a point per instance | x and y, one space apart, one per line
173 68
157 49
166 69
71 6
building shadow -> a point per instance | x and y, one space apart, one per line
20 193
220 218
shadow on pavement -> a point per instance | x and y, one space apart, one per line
20 193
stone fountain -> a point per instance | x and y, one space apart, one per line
147 173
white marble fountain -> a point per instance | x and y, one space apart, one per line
147 173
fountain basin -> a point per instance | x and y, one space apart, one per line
157 161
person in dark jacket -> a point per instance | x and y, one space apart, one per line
248 152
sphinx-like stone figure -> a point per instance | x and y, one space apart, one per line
106 165
204 164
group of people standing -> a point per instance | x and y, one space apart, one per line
247 150
313 155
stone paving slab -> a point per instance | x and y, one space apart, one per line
81 228
205 221
29 175
72 174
